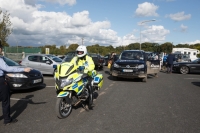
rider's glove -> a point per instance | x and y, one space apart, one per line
81 68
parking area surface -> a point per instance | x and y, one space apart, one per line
168 103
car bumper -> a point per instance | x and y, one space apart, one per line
137 74
23 84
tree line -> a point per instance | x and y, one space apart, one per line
103 50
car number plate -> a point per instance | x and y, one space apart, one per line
37 81
127 70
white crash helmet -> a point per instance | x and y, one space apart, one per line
81 51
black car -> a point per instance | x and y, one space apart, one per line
98 60
134 64
187 67
22 80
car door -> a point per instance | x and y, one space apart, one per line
153 63
46 65
195 66
33 62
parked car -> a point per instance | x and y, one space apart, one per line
106 58
42 62
22 80
98 60
134 64
187 67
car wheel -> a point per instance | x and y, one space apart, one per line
184 70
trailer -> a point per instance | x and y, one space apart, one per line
191 52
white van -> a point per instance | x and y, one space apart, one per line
191 52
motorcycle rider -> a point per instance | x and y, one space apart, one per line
82 59
84 62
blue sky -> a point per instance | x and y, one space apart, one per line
104 22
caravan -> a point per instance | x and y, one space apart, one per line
191 52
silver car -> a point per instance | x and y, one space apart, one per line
42 62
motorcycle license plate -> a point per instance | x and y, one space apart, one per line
37 81
127 70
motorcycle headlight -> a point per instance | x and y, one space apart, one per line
65 82
16 75
116 65
141 66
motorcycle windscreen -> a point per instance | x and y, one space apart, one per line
65 69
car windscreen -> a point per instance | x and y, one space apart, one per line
131 55
54 58
10 62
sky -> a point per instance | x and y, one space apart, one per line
104 22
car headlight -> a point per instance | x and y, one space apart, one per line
16 75
140 66
65 82
116 65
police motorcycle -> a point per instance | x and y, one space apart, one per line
74 86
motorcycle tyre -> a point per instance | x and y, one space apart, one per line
60 114
90 98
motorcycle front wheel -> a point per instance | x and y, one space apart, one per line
63 107
90 98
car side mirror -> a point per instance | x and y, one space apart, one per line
48 62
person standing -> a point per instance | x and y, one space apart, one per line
4 88
170 60
164 66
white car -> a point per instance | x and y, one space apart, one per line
42 62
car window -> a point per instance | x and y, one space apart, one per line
195 61
55 58
106 57
43 59
10 62
131 55
33 58
70 55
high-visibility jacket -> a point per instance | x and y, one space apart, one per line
87 62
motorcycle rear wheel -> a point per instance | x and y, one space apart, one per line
63 107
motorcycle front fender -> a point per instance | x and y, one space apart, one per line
63 94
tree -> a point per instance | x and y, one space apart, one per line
5 27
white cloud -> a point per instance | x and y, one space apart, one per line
63 2
154 34
180 16
148 34
183 28
146 9
191 43
33 27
